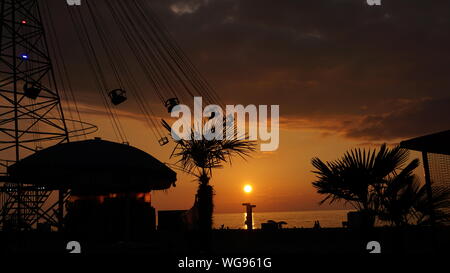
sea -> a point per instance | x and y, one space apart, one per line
294 219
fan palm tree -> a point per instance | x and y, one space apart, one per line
199 157
382 184
400 193
406 202
359 177
436 210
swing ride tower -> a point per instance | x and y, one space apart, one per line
31 115
140 63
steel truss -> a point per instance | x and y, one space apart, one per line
31 116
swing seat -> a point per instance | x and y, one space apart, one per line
117 96
171 103
163 141
31 91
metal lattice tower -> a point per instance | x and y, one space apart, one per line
31 115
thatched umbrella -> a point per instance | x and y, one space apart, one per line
93 167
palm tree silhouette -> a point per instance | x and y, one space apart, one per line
381 184
359 177
199 157
406 202
401 192
438 207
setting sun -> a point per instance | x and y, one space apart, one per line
248 188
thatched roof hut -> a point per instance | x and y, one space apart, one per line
93 167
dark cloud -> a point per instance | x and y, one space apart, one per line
338 61
416 118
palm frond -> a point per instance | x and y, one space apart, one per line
199 153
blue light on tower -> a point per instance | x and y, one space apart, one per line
24 56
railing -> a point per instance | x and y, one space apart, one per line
30 199
5 196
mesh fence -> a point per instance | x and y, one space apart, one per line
439 165
439 170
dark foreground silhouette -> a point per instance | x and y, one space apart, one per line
271 242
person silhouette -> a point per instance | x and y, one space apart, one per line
316 225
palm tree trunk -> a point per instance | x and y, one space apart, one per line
205 203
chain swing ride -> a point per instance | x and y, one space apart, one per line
170 74
35 81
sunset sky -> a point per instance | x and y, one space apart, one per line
345 75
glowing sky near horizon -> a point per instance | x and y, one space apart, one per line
345 75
